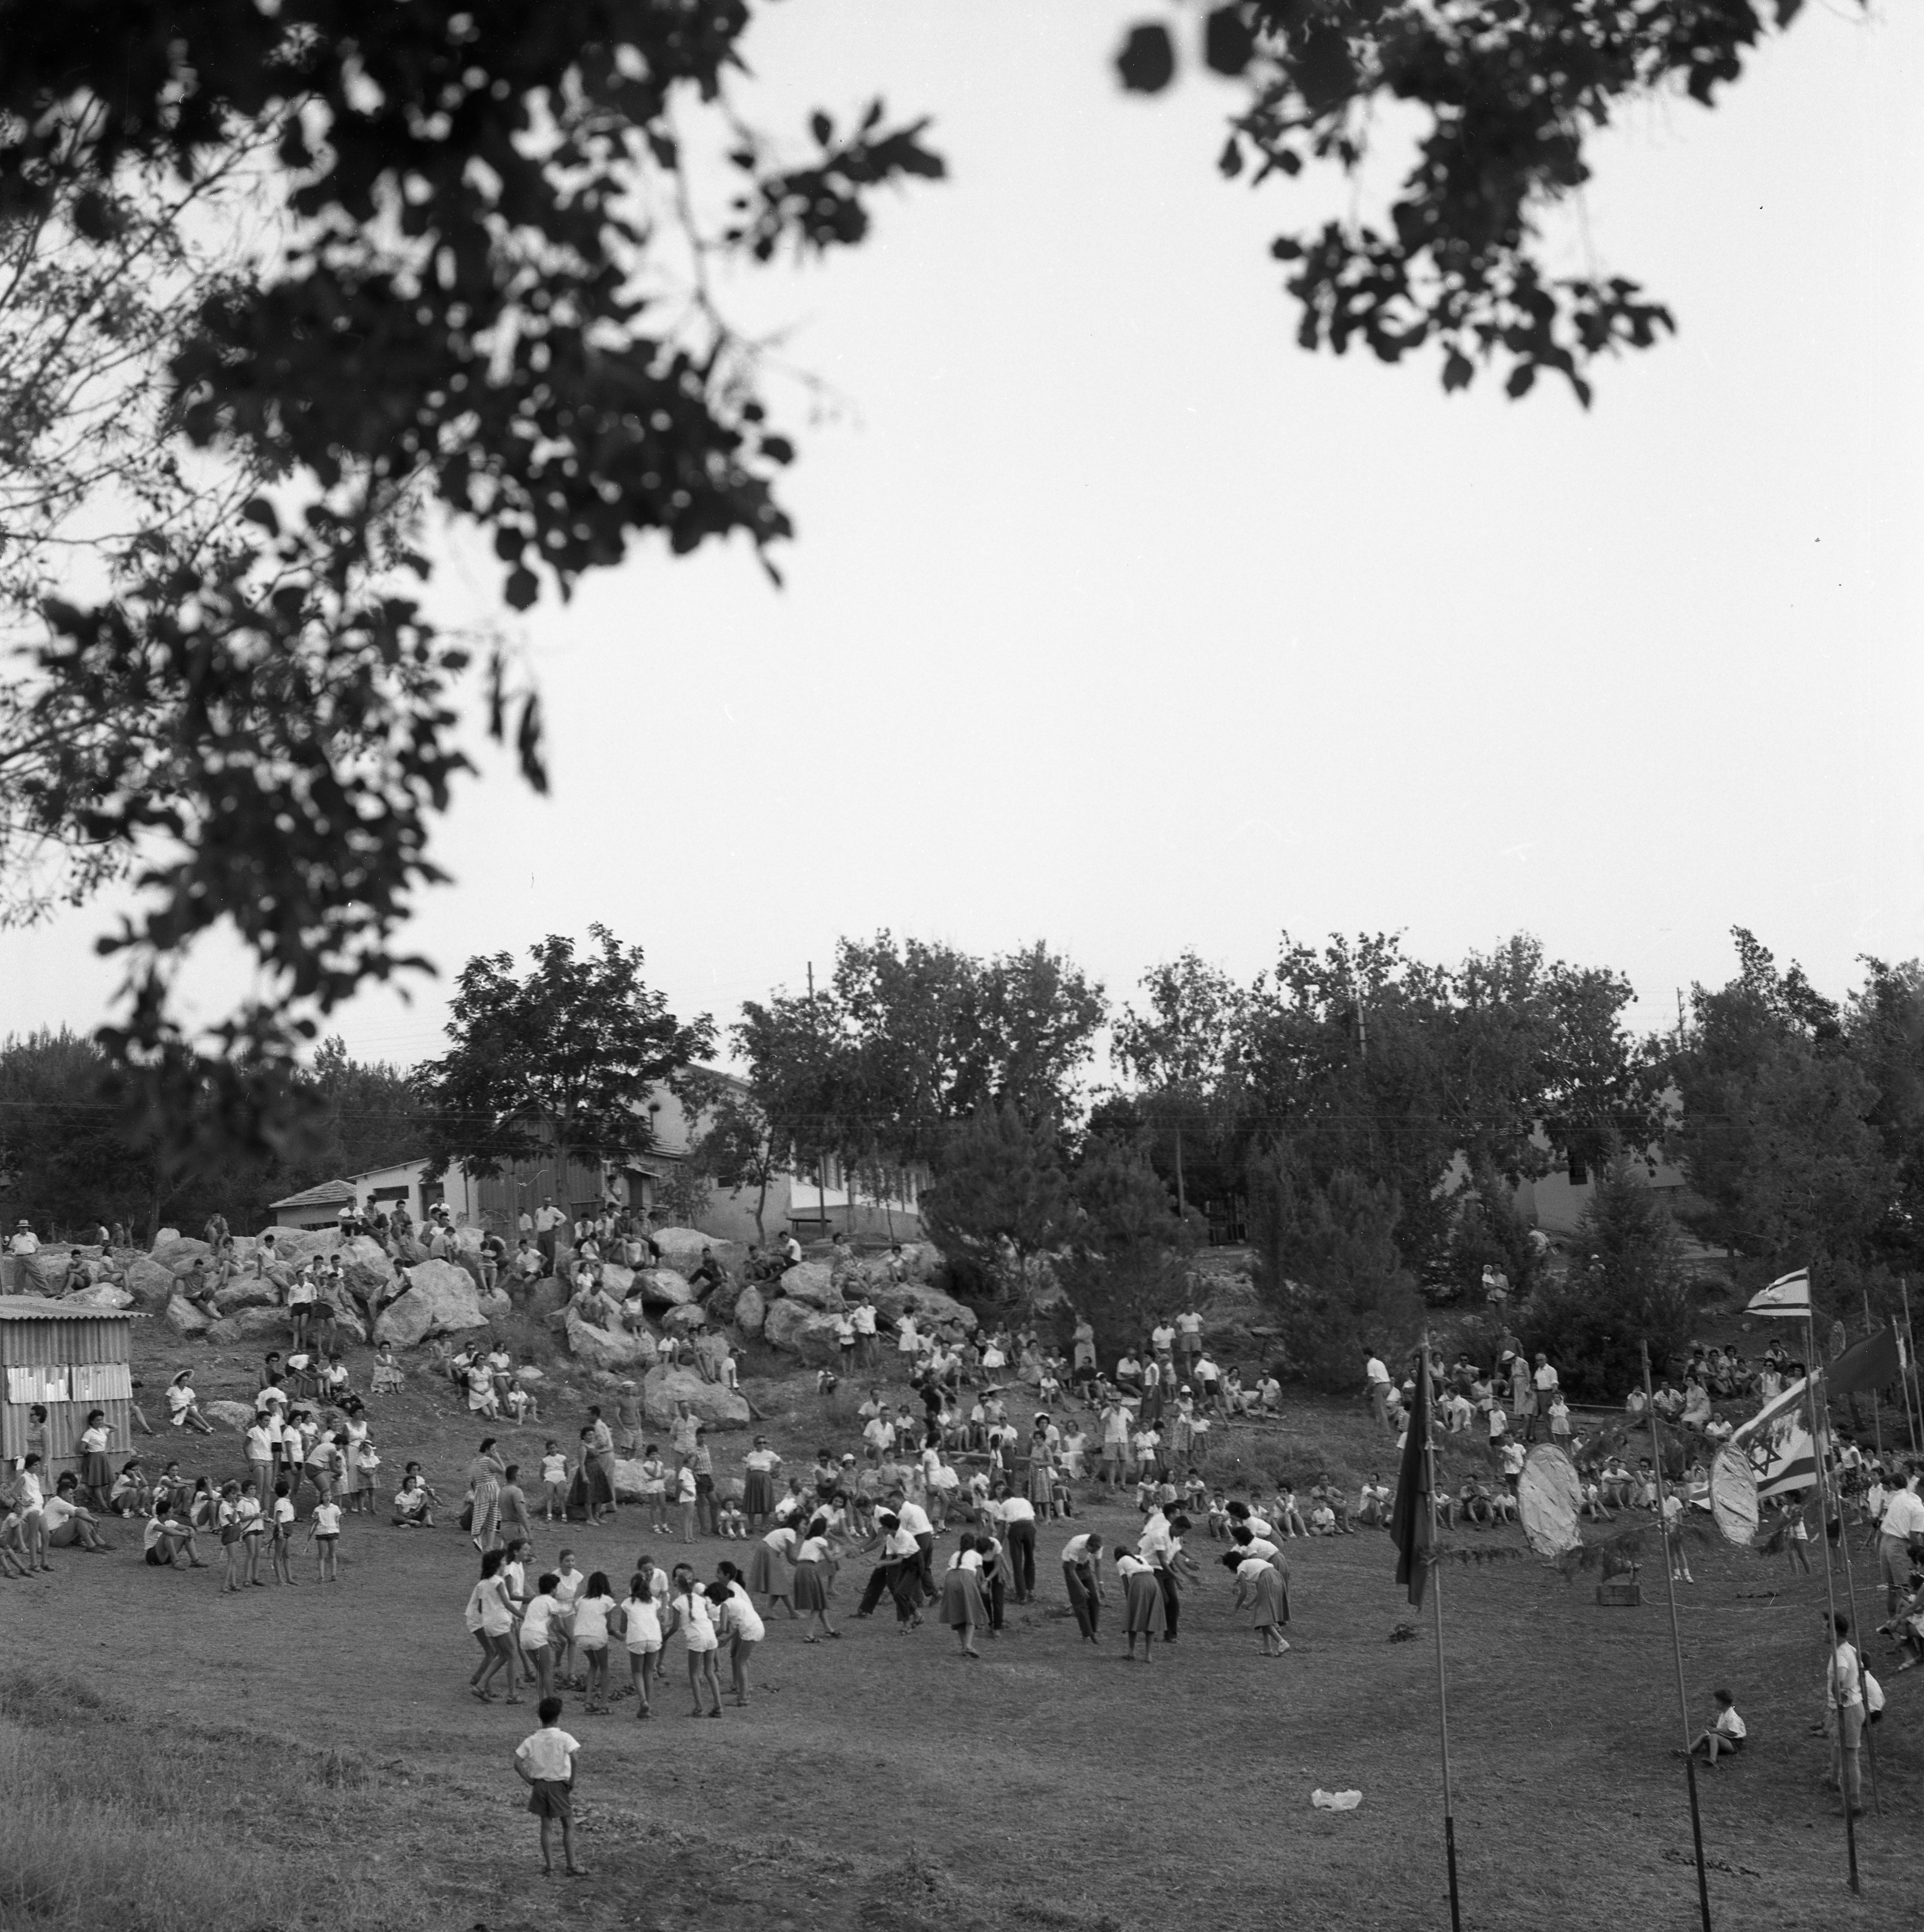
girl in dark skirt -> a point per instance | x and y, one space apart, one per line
771 1568
810 1591
962 1606
759 1489
96 1472
1142 1604
1263 1584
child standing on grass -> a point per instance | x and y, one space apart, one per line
642 1635
324 1533
366 1462
685 1496
253 1525
592 1609
688 1612
280 1549
228 1515
554 1482
545 1762
655 1490
1796 1537
538 1634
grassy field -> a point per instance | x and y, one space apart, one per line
170 1758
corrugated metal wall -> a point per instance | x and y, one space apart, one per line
104 1342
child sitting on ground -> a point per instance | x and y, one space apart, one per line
554 1482
1195 1494
1217 1519
388 1377
1727 1735
1323 1520
1147 1487
729 1520
1287 1516
521 1404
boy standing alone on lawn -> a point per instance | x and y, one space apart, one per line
544 1761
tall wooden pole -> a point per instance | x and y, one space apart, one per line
1677 1640
1818 1432
1909 1361
1436 1597
1877 1405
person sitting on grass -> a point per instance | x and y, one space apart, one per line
168 1538
68 1526
1726 1735
413 1501
1288 1519
545 1762
184 1405
1331 1497
1373 1505
132 1494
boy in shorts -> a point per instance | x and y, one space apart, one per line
545 1762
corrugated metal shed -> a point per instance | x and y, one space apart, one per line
67 1359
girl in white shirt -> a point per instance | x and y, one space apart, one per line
538 1633
811 1593
280 1546
642 1632
688 1612
772 1567
738 1625
32 1502
592 1610
492 1620
254 1526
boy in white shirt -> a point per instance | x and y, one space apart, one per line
1727 1735
545 1762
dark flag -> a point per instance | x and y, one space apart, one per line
1872 1363
1413 1521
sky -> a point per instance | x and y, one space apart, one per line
1115 619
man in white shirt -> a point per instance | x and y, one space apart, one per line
914 1521
24 1241
548 1218
1377 1376
1545 1377
1188 1335
863 1317
1016 1515
1162 1339
1082 1573
1901 1529
898 1571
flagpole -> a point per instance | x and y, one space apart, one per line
1876 1409
1436 1588
1818 1420
1676 1639
1911 1361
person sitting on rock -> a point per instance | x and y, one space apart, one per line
709 1274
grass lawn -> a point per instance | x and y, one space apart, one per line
171 1757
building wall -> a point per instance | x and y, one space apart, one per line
103 1344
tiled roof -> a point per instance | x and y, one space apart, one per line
328 1194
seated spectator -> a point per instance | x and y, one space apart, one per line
167 1538
68 1526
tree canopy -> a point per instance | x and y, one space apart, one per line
284 280
559 1061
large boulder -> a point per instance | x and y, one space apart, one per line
101 1294
495 1304
707 1402
798 1330
751 1310
811 1284
543 1298
174 1251
681 1250
150 1285
303 1244
367 1272
927 1305
616 1280
248 1324
630 1485
44 1273
184 1318
349 1322
408 1252
613 1349
662 1287
250 1290
685 1319
440 1299
236 1415
723 1301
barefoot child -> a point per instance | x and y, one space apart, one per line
641 1633
655 1490
592 1609
280 1545
545 1762
538 1634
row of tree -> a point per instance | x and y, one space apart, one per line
1363 1117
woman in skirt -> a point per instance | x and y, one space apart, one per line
810 1595
771 1567
96 1472
758 1492
1263 1583
484 1494
1041 1470
1142 1603
962 1606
